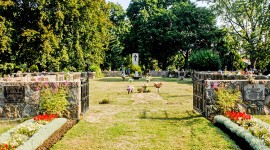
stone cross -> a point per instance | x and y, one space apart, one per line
135 59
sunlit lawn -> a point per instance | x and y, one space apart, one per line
6 125
143 121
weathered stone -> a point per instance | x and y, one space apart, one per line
29 110
35 98
255 97
253 92
29 106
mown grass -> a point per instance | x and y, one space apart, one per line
128 123
6 125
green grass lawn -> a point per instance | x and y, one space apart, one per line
6 125
146 121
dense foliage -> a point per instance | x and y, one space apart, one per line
54 35
205 60
166 32
78 35
248 23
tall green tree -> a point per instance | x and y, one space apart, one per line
249 23
54 34
145 17
162 31
194 28
120 27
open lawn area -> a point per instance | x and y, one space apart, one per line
161 121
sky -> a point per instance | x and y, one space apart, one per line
125 3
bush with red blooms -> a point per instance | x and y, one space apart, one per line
6 147
238 116
45 117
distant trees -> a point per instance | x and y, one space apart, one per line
57 35
163 30
118 31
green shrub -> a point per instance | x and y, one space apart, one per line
34 68
140 90
132 75
136 68
53 101
95 68
105 101
227 99
205 60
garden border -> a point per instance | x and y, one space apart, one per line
254 142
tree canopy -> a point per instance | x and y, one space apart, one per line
78 35
248 23
162 30
54 35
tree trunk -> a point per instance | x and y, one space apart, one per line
186 60
252 61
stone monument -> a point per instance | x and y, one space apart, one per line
135 61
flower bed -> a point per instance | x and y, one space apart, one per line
244 129
42 135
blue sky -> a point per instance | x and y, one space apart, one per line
123 3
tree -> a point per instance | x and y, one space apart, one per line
193 29
54 34
249 23
162 30
120 27
205 60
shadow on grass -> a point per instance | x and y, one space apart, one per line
112 79
241 142
187 82
173 118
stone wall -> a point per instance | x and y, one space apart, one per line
159 73
255 94
112 73
20 92
22 99
227 76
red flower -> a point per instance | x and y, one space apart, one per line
236 116
46 117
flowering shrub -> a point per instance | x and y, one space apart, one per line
256 127
44 118
27 129
237 116
6 147
255 142
24 131
21 134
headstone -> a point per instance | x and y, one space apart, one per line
14 94
253 92
135 59
136 74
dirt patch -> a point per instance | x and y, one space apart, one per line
139 98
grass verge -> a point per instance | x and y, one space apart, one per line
143 121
